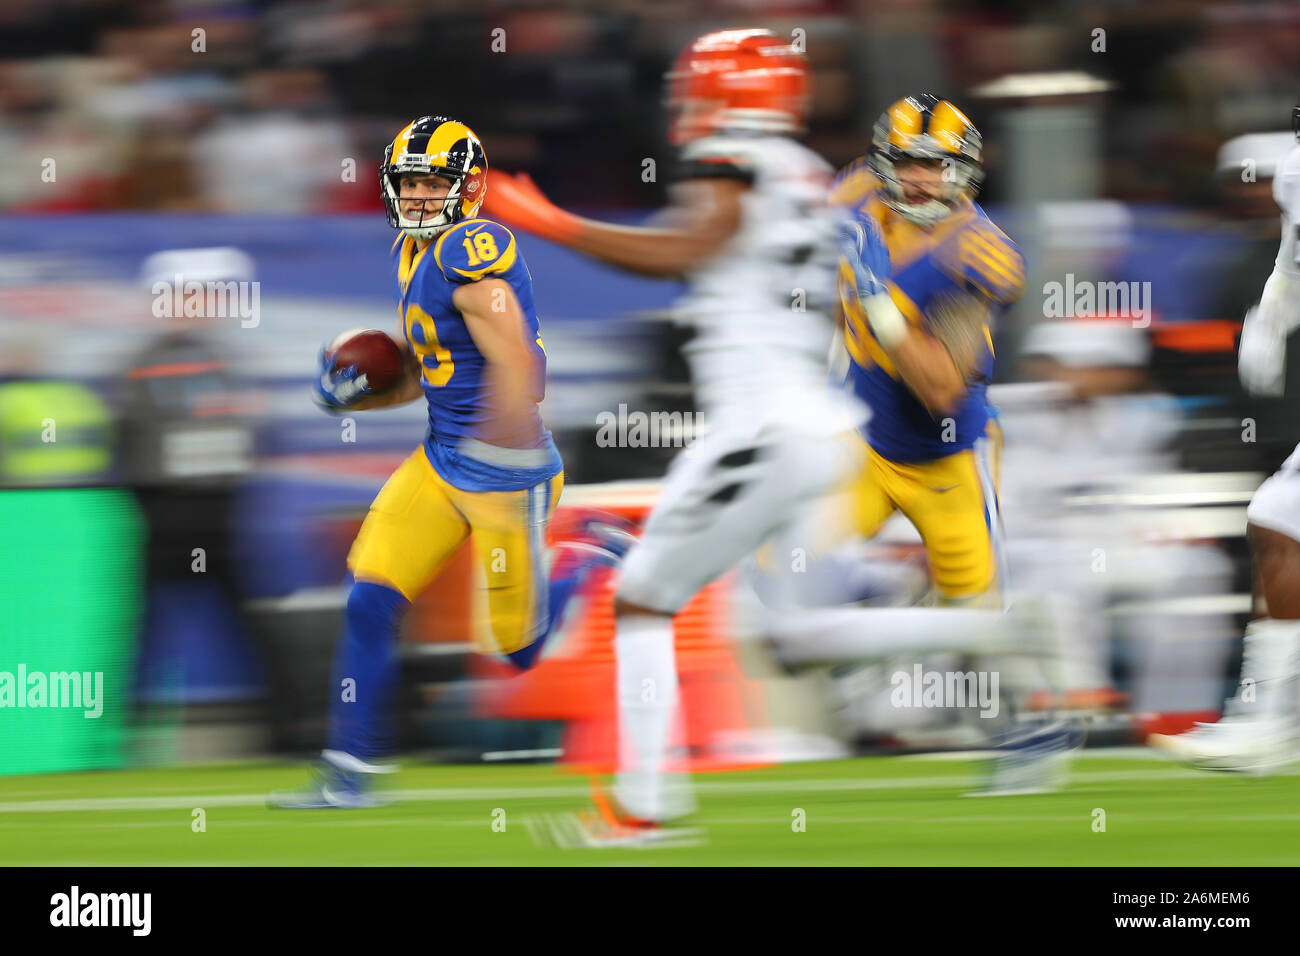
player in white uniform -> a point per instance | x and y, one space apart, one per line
1259 729
751 232
760 308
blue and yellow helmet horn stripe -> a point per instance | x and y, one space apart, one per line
439 146
926 127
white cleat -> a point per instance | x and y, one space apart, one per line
1234 743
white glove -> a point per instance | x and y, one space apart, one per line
1261 359
863 247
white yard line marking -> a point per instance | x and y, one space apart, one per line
1021 818
568 792
1094 753
330 818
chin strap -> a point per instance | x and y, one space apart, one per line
939 210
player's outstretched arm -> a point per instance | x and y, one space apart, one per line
705 215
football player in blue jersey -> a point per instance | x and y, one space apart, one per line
923 276
919 338
488 469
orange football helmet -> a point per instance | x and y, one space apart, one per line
738 79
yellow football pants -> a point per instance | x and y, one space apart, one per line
953 503
417 522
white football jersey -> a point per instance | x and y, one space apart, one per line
762 307
1261 356
1286 191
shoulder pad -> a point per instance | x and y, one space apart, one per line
720 157
990 262
475 249
1286 184
854 183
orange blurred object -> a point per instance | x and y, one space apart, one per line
1176 723
577 684
738 79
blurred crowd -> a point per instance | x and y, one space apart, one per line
284 105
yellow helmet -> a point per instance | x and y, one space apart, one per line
440 146
926 127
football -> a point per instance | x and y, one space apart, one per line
373 352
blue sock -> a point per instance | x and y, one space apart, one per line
560 589
361 721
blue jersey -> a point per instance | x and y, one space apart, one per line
453 369
964 256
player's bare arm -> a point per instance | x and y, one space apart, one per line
938 365
705 214
496 323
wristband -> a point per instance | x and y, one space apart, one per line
887 322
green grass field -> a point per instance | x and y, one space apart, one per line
876 812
